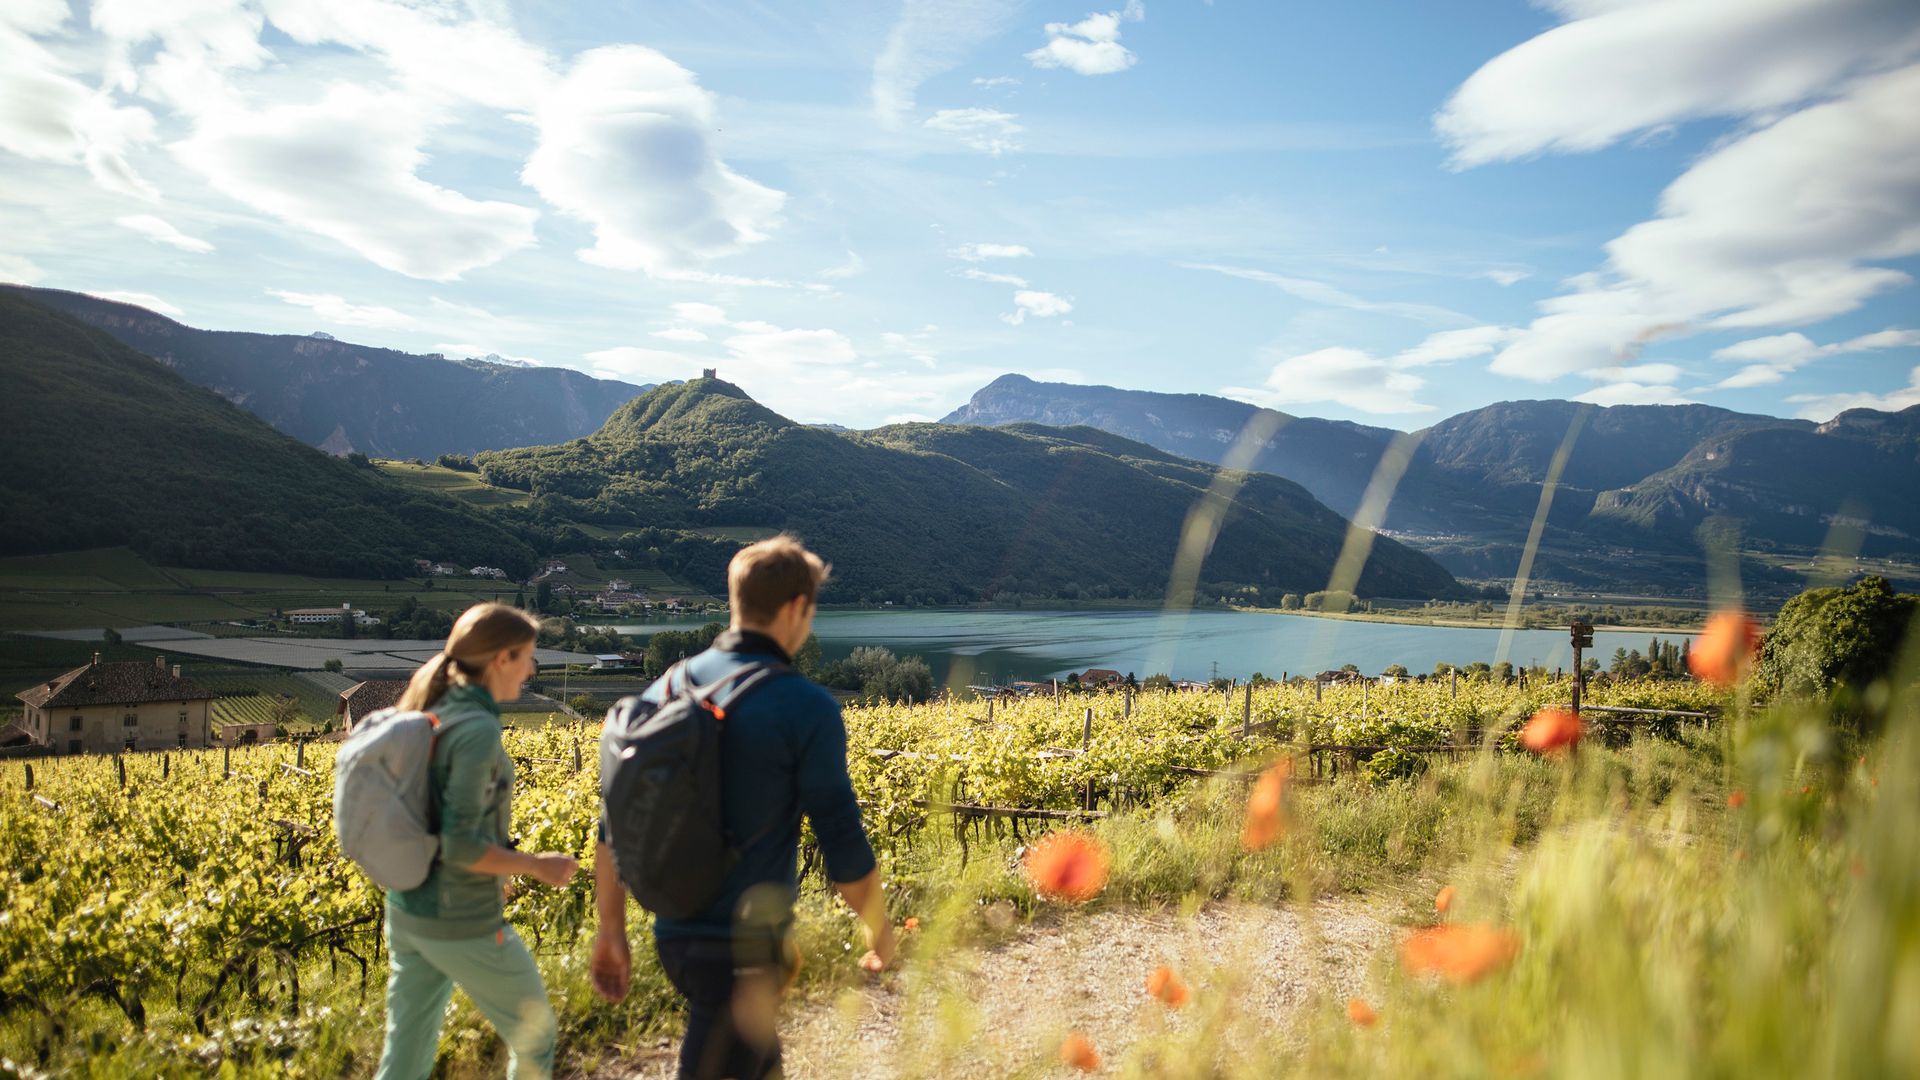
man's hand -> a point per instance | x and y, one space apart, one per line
554 869
612 967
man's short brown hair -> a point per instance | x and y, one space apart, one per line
765 577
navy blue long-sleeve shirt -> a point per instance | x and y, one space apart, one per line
783 752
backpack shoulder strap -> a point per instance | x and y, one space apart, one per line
737 684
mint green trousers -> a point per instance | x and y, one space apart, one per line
496 971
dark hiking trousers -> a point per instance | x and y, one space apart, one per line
709 973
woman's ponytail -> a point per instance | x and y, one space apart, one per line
481 632
428 685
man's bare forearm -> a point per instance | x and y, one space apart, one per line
609 895
866 899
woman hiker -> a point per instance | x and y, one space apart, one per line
453 928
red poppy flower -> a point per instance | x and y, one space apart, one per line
1725 650
912 924
1361 1013
1266 806
1165 987
1736 799
1443 901
1068 866
1459 954
1550 731
1077 1052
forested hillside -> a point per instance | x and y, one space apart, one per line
935 513
104 448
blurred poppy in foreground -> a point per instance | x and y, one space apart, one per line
1725 650
912 924
1164 986
1361 1013
1068 866
1550 731
1443 901
1736 799
1459 954
1077 1052
1266 809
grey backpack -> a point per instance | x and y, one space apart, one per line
381 811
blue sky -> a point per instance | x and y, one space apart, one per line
863 211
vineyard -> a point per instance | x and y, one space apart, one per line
179 894
189 911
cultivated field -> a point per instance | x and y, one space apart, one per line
1638 891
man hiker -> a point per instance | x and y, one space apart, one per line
782 752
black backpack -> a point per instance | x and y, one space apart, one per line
660 789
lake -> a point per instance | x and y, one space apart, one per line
965 647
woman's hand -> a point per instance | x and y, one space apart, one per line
554 868
612 968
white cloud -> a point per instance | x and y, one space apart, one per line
1505 277
1644 374
1319 292
1771 358
995 82
976 274
1040 305
160 232
339 311
1633 393
345 167
145 300
625 145
929 38
1090 46
1617 67
1778 227
1448 346
704 314
1348 377
470 351
989 131
19 269
765 346
47 115
435 52
1827 406
631 364
981 252
680 333
853 267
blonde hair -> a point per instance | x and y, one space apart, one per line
482 632
765 577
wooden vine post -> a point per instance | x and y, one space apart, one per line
29 776
1246 713
1582 639
226 762
1453 682
120 764
1086 740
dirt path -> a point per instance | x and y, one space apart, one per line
995 1011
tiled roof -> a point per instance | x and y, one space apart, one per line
124 682
371 696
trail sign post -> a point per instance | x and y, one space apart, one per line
1582 639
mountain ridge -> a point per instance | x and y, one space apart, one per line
344 397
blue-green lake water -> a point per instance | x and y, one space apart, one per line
966 647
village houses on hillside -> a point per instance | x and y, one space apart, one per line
120 705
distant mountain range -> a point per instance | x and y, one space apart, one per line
343 397
105 448
936 513
1636 489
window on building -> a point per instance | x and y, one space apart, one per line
183 718
183 738
131 744
73 746
74 724
132 719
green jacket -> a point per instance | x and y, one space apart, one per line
471 777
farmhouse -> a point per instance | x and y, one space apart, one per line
315 616
123 705
1101 676
361 700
